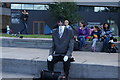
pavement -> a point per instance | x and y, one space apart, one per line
32 38
42 54
81 57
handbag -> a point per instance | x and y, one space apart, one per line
49 75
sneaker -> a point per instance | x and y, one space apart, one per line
84 46
93 49
18 32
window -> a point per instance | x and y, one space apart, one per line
99 9
30 6
46 7
41 7
15 6
86 8
27 6
106 9
15 20
15 17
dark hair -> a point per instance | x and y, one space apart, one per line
60 21
60 18
83 23
92 27
97 28
25 10
104 25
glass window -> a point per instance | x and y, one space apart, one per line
86 8
46 7
99 9
41 7
15 6
15 20
15 17
27 6
30 6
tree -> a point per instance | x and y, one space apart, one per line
111 9
67 10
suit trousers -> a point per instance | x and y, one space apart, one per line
66 65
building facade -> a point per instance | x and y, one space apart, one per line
94 13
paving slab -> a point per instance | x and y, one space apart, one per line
83 57
30 61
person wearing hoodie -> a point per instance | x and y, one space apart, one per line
107 33
83 33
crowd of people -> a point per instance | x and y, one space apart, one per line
63 42
95 33
102 33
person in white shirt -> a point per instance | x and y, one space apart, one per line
8 29
66 23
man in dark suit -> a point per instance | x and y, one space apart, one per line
62 47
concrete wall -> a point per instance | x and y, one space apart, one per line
42 43
33 67
29 43
4 18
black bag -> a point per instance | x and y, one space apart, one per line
49 75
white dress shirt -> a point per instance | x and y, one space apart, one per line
61 30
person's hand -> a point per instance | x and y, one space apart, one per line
50 58
65 58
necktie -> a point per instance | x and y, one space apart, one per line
60 32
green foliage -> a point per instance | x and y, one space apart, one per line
67 10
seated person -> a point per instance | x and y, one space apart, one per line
62 47
83 32
107 33
96 36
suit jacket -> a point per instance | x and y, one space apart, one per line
63 45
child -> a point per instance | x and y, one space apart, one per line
96 35
91 30
8 29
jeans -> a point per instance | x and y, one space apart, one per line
8 31
82 41
94 42
105 43
25 28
